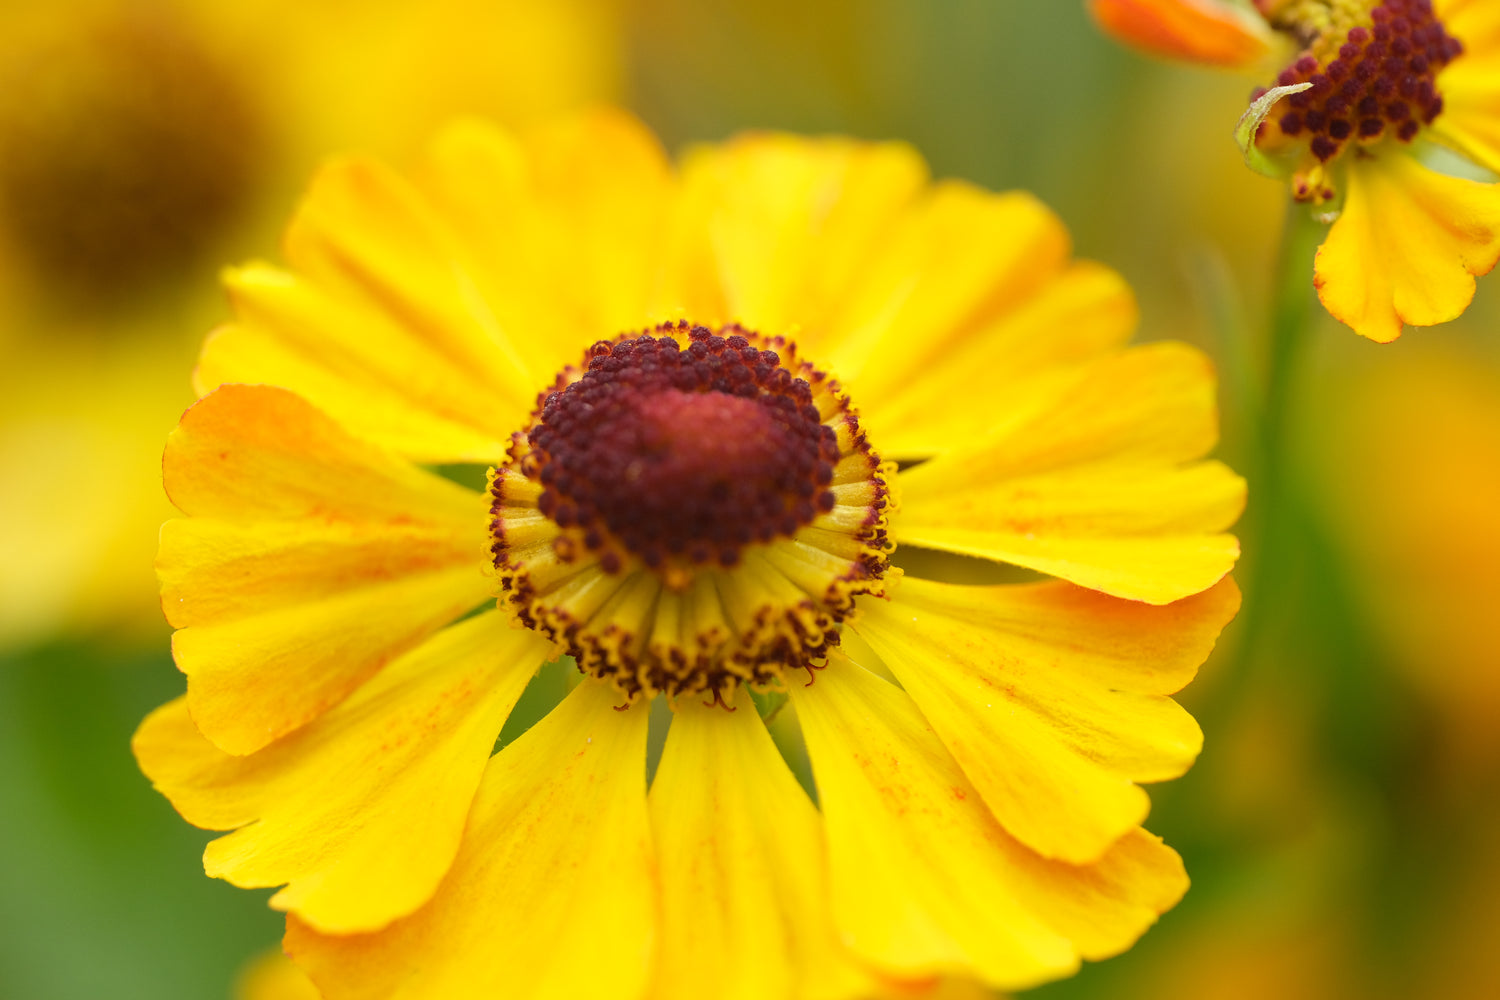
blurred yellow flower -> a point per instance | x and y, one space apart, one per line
274 977
81 418
1413 449
696 512
1352 120
1254 956
142 143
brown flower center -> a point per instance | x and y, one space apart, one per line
1384 77
691 511
690 452
1373 71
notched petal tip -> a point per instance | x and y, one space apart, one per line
1407 248
1199 31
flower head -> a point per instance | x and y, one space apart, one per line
1370 86
693 388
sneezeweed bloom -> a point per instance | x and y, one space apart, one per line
692 388
1365 122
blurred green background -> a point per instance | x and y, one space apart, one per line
1341 827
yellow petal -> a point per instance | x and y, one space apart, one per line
552 894
561 229
274 977
789 223
745 893
382 325
961 258
1086 479
255 679
360 365
1152 403
366 235
215 570
1407 246
1142 534
1470 85
310 559
1204 31
1052 698
1086 311
926 882
257 452
359 813
957 260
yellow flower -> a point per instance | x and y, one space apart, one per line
692 512
1352 121
142 139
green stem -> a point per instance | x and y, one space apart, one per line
1271 523
1294 307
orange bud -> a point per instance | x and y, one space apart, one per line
1202 31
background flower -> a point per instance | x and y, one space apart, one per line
148 142
1367 93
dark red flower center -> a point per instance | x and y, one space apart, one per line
685 453
1381 81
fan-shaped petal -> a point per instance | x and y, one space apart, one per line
552 895
1407 246
745 893
1089 478
925 881
308 560
1053 698
360 812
